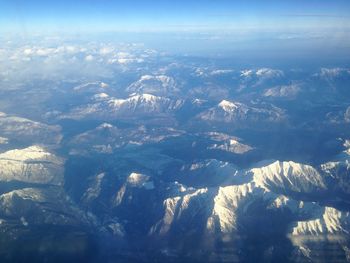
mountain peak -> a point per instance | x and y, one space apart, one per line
228 105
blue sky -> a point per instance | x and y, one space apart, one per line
265 28
166 15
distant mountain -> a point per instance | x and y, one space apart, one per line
160 85
23 130
285 91
242 115
227 143
106 138
120 153
137 105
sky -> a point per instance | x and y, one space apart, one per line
279 28
172 15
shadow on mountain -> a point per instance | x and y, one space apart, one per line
263 234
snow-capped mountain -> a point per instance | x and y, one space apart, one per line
259 78
287 91
160 85
225 142
221 211
31 207
25 130
338 170
106 138
31 165
137 105
212 173
241 114
329 221
288 177
120 153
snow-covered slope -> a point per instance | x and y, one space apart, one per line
31 165
338 170
94 189
331 221
103 139
232 146
106 137
288 177
257 78
134 182
267 186
227 202
39 206
188 207
213 172
241 114
25 130
160 85
287 91
145 103
137 105
225 142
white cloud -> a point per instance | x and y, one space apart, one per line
56 59
221 71
89 58
333 72
106 51
28 51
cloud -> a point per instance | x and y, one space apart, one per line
221 71
51 59
329 73
89 58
